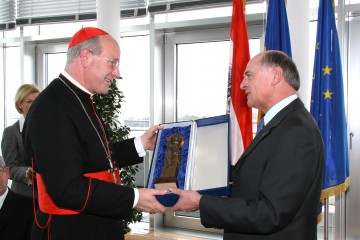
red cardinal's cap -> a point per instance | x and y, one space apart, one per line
85 34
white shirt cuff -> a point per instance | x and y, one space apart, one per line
136 196
139 147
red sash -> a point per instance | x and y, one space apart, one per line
47 205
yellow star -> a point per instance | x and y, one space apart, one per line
327 70
327 94
317 45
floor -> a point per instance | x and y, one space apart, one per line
141 234
141 231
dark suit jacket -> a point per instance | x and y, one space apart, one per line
276 183
65 146
16 217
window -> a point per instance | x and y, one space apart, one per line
198 89
12 74
135 85
55 63
51 59
134 69
202 79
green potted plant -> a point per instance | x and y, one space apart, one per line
109 107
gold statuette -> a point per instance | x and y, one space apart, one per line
169 173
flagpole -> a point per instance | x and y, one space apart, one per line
326 218
340 216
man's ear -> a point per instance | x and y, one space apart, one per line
277 73
85 55
7 171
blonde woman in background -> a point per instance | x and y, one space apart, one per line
21 172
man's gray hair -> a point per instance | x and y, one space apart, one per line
92 44
2 163
280 59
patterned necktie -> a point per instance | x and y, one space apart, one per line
261 125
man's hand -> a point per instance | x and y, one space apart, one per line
148 202
30 173
189 201
149 137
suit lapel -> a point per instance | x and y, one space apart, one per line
297 103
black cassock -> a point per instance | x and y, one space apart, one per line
59 132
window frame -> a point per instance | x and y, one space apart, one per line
172 39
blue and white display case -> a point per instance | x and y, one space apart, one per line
204 164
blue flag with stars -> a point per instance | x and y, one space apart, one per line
327 103
277 34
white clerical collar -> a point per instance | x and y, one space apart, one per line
76 83
278 107
2 197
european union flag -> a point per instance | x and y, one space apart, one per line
277 36
327 103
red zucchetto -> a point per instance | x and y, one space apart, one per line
85 34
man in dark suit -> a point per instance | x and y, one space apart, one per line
277 180
16 211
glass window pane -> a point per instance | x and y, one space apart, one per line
202 79
135 85
55 64
135 71
12 78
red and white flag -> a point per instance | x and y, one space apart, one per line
240 113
